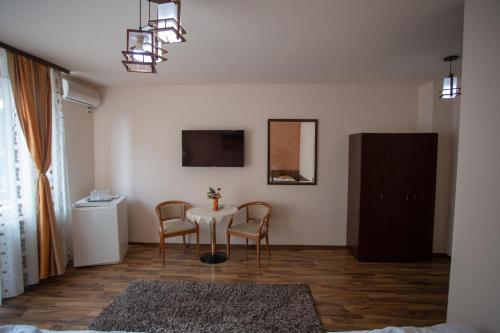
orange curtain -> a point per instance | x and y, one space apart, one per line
32 93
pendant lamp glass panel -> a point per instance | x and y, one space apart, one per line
139 41
139 67
166 30
168 10
450 87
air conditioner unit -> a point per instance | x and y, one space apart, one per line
80 94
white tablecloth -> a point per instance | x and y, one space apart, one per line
206 214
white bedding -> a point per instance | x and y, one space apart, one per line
33 329
441 328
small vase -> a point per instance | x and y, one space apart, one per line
215 203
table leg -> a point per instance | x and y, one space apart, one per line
213 236
213 257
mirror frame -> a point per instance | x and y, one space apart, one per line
315 121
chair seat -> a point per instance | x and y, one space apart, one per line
177 225
247 228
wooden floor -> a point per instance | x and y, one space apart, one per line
349 295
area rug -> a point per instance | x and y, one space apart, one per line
182 306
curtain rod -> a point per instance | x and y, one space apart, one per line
34 58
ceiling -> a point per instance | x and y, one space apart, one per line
247 42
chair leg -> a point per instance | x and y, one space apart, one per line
163 250
184 241
198 243
228 245
159 245
267 245
247 242
258 252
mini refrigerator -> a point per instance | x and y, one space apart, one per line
99 232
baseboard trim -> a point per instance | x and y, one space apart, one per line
279 247
441 255
276 247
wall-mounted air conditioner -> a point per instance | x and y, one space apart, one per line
77 93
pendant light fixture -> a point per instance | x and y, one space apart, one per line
167 25
140 56
145 45
451 83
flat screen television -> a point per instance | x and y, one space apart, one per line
208 148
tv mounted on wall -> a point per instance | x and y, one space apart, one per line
208 148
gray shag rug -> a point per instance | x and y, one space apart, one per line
183 306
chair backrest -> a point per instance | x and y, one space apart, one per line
259 211
172 209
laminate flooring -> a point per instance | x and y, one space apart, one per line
349 295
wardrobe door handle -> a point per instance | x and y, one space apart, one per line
381 196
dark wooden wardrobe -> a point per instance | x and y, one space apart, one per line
392 186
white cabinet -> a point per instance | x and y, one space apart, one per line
100 232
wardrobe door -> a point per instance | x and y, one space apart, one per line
423 196
373 198
354 194
399 185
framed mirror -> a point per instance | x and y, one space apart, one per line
292 146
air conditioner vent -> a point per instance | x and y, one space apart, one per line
77 93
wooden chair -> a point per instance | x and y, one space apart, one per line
256 226
172 216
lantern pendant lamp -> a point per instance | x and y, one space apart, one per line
139 55
167 25
143 51
451 83
158 49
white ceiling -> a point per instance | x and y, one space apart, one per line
243 41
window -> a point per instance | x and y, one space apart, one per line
17 200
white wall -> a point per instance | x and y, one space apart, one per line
79 129
307 153
474 296
425 106
454 162
138 149
439 116
444 122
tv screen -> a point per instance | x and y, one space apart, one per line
209 148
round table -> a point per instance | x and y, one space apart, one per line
208 215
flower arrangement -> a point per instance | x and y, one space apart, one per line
214 195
